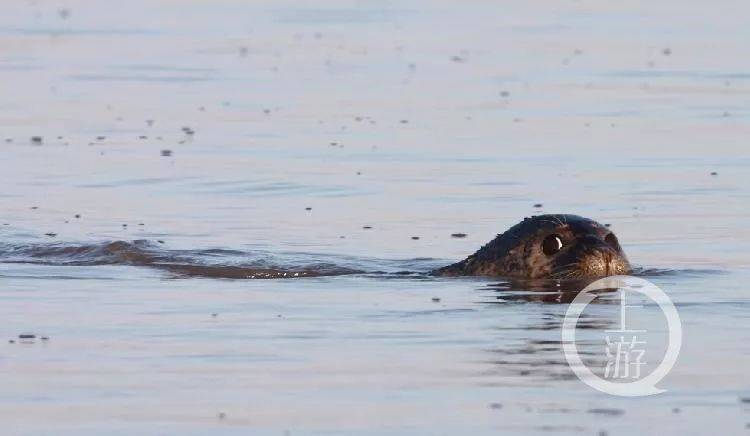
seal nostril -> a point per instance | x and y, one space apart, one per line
612 241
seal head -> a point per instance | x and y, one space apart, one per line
547 246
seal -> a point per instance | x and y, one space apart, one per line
547 246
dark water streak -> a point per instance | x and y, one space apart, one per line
209 263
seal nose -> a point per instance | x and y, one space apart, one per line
600 258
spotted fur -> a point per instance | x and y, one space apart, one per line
589 250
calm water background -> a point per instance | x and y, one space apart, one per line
417 119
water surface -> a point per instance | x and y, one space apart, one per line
200 132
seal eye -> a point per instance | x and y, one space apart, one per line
552 244
611 239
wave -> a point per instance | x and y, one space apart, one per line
212 263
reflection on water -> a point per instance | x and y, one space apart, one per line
537 290
536 349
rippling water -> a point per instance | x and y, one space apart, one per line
187 147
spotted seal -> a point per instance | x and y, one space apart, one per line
547 246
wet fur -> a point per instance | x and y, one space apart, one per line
518 252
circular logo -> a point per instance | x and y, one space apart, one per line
625 350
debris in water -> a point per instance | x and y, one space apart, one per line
607 411
458 235
166 153
538 205
367 227
36 139
415 237
435 300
